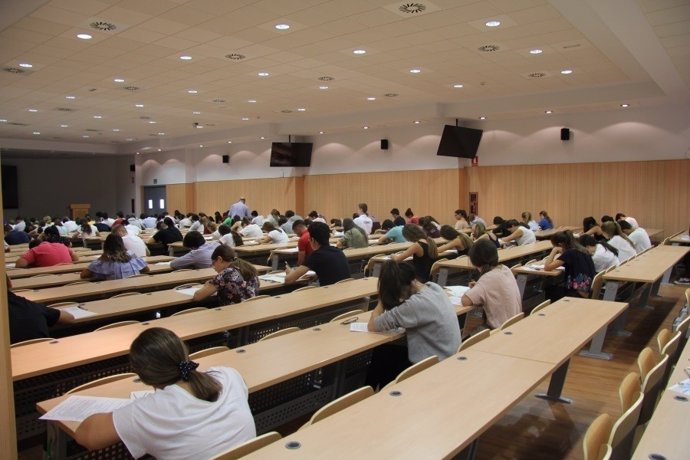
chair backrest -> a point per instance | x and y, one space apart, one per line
514 268
347 314
662 338
248 447
189 310
436 266
541 306
101 381
623 429
596 438
30 341
671 346
682 327
687 297
471 340
207 352
628 390
118 324
256 297
652 373
304 288
597 282
278 333
125 294
416 368
510 321
346 280
339 404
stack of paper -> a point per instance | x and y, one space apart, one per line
78 312
78 408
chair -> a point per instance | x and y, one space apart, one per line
207 352
651 373
435 267
471 340
628 390
594 444
102 381
189 310
256 297
30 341
118 324
623 430
346 280
248 447
125 294
597 283
667 342
416 368
304 288
339 404
510 321
279 332
347 314
541 306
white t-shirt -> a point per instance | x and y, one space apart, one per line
135 245
252 231
70 225
625 251
172 424
365 222
196 226
533 225
527 237
133 229
640 239
227 240
603 258
258 220
186 222
633 222
278 236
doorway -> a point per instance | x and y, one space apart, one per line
154 199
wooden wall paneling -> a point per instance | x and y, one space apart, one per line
261 194
176 197
299 197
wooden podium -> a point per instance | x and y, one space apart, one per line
77 211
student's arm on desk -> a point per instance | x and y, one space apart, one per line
383 240
206 291
293 274
85 274
551 262
448 246
65 318
513 236
265 239
96 432
415 249
375 314
21 263
466 301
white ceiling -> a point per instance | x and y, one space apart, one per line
632 51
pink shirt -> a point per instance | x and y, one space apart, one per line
497 291
48 254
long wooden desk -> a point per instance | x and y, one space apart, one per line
547 234
277 255
681 238
666 432
504 255
655 234
83 255
14 273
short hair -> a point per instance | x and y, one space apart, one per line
168 222
619 216
387 224
363 207
297 223
313 214
625 225
512 223
320 233
193 240
253 213
395 211
498 220
484 255
224 229
409 213
289 213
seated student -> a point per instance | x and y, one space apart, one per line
31 320
426 313
274 235
578 263
115 263
133 243
398 220
631 220
496 290
303 244
590 227
329 263
521 235
316 217
430 226
410 218
13 237
249 230
638 236
606 218
291 218
479 233
393 233
354 236
196 225
236 279
528 222
228 237
423 251
168 233
19 224
191 414
545 222
603 254
200 252
500 227
363 220
62 230
619 240
335 224
474 219
86 230
458 241
461 220
51 251
256 219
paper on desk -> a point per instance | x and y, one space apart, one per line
78 312
540 267
78 408
359 327
685 237
9 266
163 263
682 387
289 250
188 291
456 293
273 277
140 394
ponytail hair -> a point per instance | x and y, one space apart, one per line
228 254
545 215
568 240
589 240
160 358
395 282
612 228
413 233
450 234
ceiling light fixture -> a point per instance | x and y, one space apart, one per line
458 85
262 138
229 142
201 145
3 120
323 87
535 51
192 91
36 133
64 126
366 127
85 136
548 112
371 98
320 132
119 80
98 117
282 26
252 101
33 110
493 23
301 109
245 118
416 122
625 106
359 52
71 98
25 65
482 118
151 122
415 70
185 58
139 105
161 134
196 113
263 74
84 36
566 71
116 130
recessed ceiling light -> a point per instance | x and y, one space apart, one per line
323 87
25 65
263 74
366 127
493 23
139 105
320 132
415 70
262 138
201 145
359 51
85 136
36 133
98 117
64 126
151 122
458 85
548 112
161 134
535 51
252 101
138 153
3 120
301 109
192 91
282 26
196 113
371 98
245 118
71 98
229 142
119 80
159 150
84 36
185 58
566 71
482 118
33 110
416 122
129 139
116 130
625 106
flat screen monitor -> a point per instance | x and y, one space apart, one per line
292 154
10 189
457 141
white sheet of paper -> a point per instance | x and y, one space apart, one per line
273 277
359 327
189 291
289 251
140 394
78 313
78 408
163 263
9 265
682 387
685 237
309 274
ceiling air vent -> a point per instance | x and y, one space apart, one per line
131 88
103 26
391 94
218 101
325 78
64 109
489 48
235 56
16 123
14 70
286 111
144 117
93 130
536 75
412 8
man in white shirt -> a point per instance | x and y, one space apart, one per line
240 209
109 221
132 228
133 243
149 221
364 221
69 224
19 224
638 236
257 219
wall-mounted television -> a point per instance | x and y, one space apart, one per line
10 187
457 141
295 154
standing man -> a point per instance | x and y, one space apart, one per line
240 209
364 221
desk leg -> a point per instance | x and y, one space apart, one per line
611 290
171 251
275 260
647 290
442 277
667 275
522 283
468 453
556 385
655 287
56 442
619 323
595 346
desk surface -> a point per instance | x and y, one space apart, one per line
649 266
504 255
681 238
11 257
67 268
546 234
42 358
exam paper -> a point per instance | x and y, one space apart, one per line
359 327
163 263
78 312
78 408
682 387
189 291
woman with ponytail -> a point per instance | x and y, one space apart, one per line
427 315
496 290
619 240
191 414
603 254
577 263
236 279
423 251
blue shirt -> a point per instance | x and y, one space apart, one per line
196 258
545 224
395 234
110 270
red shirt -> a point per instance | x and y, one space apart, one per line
303 244
48 254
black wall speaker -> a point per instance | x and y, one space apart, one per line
384 144
131 168
565 134
226 158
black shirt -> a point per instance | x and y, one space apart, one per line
422 265
29 320
168 235
17 237
101 227
398 221
329 263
